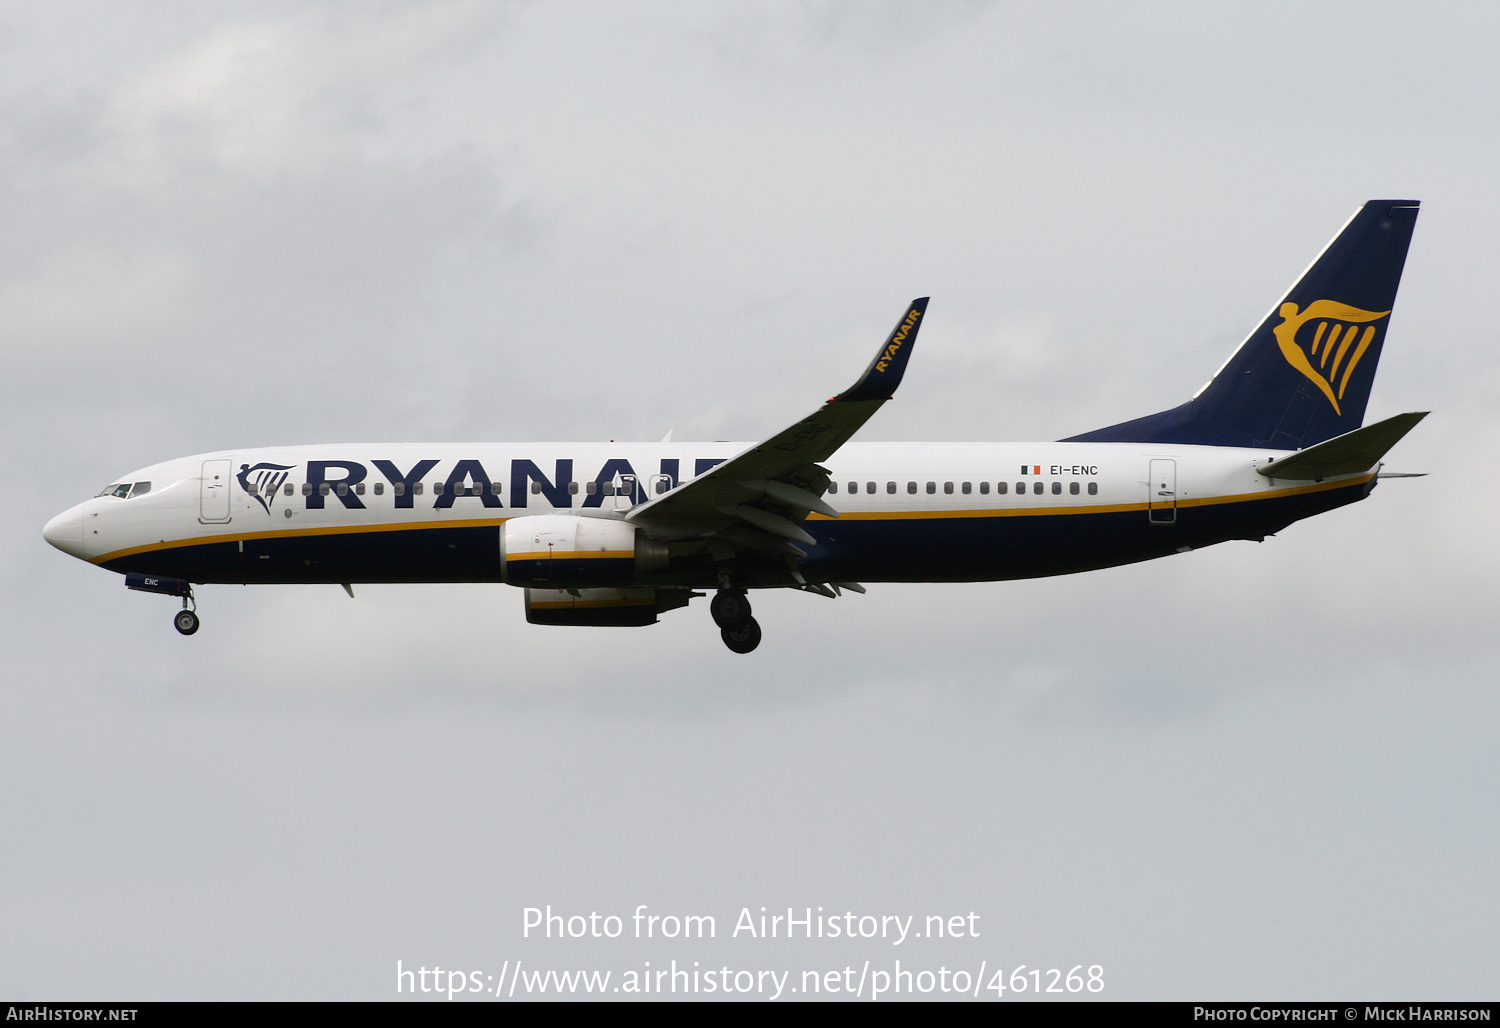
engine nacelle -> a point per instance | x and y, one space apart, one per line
622 608
567 551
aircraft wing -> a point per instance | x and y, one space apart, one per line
758 499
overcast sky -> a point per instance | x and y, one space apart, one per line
1252 771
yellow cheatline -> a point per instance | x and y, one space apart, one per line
287 533
574 555
911 515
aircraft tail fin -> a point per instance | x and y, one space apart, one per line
1304 375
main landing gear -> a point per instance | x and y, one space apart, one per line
731 612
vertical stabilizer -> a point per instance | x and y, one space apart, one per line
1304 375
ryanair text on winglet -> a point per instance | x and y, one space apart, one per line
898 340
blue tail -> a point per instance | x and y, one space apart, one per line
1305 374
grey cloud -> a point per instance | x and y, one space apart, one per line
1254 764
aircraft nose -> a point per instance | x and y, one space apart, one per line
66 532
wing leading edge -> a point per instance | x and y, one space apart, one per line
758 499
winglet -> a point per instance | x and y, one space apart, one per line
881 378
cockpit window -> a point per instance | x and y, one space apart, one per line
126 489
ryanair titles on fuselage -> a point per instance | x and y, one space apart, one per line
340 480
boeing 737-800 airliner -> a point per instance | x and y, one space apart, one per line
617 534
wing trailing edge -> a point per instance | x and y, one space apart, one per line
758 498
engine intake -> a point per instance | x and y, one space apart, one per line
566 551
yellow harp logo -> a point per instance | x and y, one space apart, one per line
1332 354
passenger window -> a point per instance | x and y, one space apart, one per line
591 488
1056 488
360 489
1093 488
536 488
948 488
1073 488
853 487
607 488
890 487
931 488
306 488
911 487
416 488
288 489
573 488
870 487
140 489
966 488
343 488
1002 488
399 488
379 488
833 488
1036 487
1020 488
984 488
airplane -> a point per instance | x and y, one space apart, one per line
618 534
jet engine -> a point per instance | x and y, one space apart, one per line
565 551
623 608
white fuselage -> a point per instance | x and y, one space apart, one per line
346 500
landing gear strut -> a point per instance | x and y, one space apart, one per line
186 619
731 612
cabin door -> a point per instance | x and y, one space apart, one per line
213 492
1161 503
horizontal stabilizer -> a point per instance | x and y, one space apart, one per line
1348 454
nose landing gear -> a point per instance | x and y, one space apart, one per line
731 612
185 620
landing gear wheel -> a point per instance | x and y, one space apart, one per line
742 638
730 609
185 622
